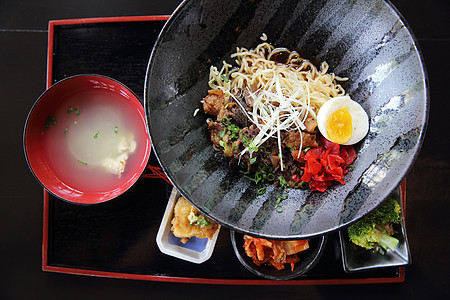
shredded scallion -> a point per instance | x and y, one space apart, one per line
275 110
73 109
51 120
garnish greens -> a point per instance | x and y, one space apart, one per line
252 148
262 190
116 130
82 162
234 132
51 120
276 110
225 78
283 195
73 109
263 174
96 134
231 127
200 220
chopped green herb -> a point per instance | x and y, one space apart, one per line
283 182
226 121
231 127
278 208
200 220
250 145
75 122
264 149
51 120
116 130
262 190
82 162
96 134
252 160
262 175
222 133
224 78
351 167
283 195
65 130
73 109
306 149
234 131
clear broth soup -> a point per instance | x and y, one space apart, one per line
94 141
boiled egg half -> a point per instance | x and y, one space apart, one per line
343 121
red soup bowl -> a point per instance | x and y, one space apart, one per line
86 139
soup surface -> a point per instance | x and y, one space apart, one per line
92 141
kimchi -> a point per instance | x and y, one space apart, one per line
274 252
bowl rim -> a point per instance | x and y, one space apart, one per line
120 190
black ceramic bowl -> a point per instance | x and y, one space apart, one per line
366 41
308 259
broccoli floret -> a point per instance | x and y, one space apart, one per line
375 230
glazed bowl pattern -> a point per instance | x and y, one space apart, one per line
366 41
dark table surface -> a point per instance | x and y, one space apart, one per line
23 40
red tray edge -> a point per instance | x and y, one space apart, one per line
75 271
220 281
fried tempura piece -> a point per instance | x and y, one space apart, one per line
188 222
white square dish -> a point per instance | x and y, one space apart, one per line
196 250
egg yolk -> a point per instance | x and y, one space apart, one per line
339 126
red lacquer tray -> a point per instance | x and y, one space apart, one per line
118 238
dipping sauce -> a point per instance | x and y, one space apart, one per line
92 141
